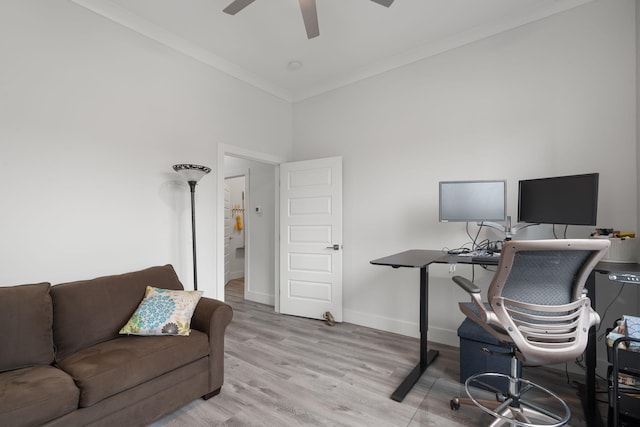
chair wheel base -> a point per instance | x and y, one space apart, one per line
519 399
454 403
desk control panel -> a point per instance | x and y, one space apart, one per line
625 277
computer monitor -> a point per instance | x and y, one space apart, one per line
568 200
473 201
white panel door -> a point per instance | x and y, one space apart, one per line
311 238
227 231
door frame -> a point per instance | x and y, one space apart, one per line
230 150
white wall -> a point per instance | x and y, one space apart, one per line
555 97
92 116
259 227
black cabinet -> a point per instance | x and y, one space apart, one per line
624 384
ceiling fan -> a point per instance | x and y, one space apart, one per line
308 8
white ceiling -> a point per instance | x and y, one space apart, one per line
358 38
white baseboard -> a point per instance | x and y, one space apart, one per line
444 336
439 335
259 297
402 327
236 275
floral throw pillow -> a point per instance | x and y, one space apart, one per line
163 312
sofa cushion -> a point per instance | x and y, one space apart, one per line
88 312
26 319
110 367
35 395
163 312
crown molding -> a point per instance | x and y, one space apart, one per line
121 16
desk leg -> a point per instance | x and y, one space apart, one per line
588 390
426 355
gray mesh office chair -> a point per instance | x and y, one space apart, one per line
536 305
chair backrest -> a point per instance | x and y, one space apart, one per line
537 296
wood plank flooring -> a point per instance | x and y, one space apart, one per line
289 371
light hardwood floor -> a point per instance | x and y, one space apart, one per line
289 371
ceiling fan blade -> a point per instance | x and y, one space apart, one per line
310 17
236 6
386 3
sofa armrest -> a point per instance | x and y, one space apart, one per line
212 317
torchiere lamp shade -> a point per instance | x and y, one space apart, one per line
191 172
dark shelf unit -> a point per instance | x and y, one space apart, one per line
624 399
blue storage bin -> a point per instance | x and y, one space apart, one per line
473 360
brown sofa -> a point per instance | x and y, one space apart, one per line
63 363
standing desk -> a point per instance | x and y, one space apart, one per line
415 258
418 258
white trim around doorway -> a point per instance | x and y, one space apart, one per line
230 150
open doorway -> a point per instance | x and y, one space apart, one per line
263 269
262 212
234 233
250 231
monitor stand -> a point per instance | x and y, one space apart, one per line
508 230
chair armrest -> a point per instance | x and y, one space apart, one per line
212 317
466 284
480 313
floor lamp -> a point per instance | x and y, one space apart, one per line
192 174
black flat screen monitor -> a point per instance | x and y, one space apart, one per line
473 201
569 200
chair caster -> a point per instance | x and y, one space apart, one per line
455 403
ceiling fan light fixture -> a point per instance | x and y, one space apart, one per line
385 3
236 6
310 17
294 65
307 7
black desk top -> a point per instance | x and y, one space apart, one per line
416 258
617 267
419 258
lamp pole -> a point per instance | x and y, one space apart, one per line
192 186
192 174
